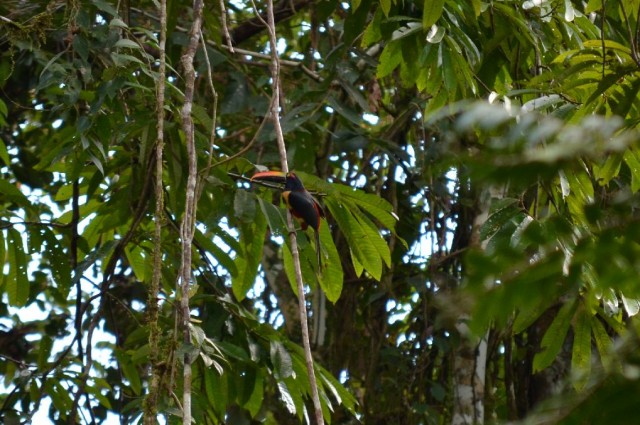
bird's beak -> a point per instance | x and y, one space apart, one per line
270 176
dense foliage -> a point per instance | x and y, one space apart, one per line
478 162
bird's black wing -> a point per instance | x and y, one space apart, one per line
305 207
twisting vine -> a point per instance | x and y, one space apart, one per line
187 227
151 402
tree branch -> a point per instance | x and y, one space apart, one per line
275 107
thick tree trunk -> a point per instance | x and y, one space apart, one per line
469 379
470 358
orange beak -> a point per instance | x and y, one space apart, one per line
270 176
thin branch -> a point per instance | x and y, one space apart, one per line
187 227
8 224
632 39
73 249
275 115
214 117
225 28
151 402
604 8
241 151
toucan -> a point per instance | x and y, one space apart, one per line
302 205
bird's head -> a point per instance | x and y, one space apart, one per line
293 182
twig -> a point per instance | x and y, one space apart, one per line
9 21
8 224
275 105
225 28
73 248
243 150
632 39
214 117
604 8
187 227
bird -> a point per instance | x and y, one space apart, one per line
302 205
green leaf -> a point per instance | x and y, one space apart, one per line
97 254
254 403
248 258
355 21
56 254
225 260
118 23
341 395
606 172
44 351
286 398
373 236
632 158
4 111
390 58
365 253
631 305
202 116
605 85
85 210
432 10
385 5
372 33
17 283
448 70
130 372
477 6
344 110
307 258
11 193
281 360
233 351
120 59
4 259
502 211
4 153
357 265
59 396
105 7
216 387
97 393
530 312
136 257
244 206
331 278
554 337
581 353
373 205
592 6
125 42
275 217
608 45
602 339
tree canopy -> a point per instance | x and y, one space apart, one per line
479 167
